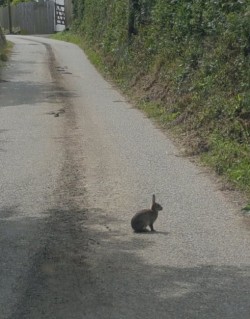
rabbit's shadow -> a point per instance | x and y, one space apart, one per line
163 233
156 232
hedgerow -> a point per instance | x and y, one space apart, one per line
190 59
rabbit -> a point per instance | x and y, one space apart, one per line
146 217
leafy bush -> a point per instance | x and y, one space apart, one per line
2 39
191 58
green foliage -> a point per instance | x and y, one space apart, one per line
187 61
2 39
246 209
3 45
230 158
15 2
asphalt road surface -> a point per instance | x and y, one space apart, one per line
76 162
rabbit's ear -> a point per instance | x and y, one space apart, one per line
153 199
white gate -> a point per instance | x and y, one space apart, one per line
60 19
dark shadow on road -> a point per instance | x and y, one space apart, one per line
80 273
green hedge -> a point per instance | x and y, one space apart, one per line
199 49
188 58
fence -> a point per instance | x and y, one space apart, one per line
30 17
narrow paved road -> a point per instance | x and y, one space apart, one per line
76 162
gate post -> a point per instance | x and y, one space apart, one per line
10 17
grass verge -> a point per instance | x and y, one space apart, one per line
5 52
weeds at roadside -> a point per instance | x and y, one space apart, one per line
5 52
